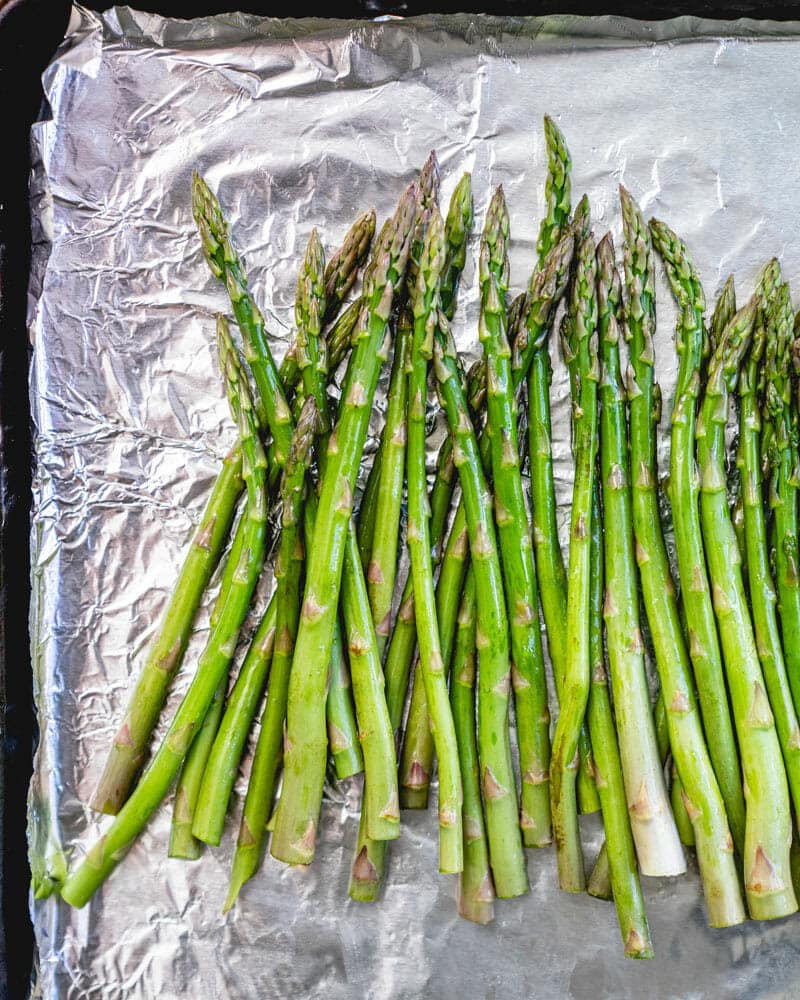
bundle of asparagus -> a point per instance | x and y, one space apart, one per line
334 659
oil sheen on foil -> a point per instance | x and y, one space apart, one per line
301 124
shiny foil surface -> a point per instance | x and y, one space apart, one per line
301 124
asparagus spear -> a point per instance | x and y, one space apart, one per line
213 665
166 652
341 272
370 860
380 804
654 833
557 190
724 310
400 651
457 229
428 193
623 872
781 449
417 761
288 567
762 590
683 494
476 889
220 747
768 834
737 519
382 570
320 289
182 842
225 264
369 505
497 775
534 340
580 349
547 287
339 337
304 769
425 305
340 714
519 576
712 835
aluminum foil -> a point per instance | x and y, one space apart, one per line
298 124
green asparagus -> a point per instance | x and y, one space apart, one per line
768 832
687 742
704 647
657 844
213 665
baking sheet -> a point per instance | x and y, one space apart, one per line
298 124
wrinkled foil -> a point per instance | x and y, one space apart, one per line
298 124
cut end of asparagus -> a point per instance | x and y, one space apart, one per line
477 911
638 945
365 879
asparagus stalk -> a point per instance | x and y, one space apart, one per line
416 764
382 571
418 750
220 771
738 521
533 340
623 872
519 576
341 272
425 307
381 803
288 567
768 834
400 651
724 310
580 349
369 863
457 229
182 842
342 269
320 289
683 494
166 652
762 590
654 832
224 748
476 889
213 665
781 450
377 744
304 762
225 264
687 742
342 726
370 860
369 505
497 774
